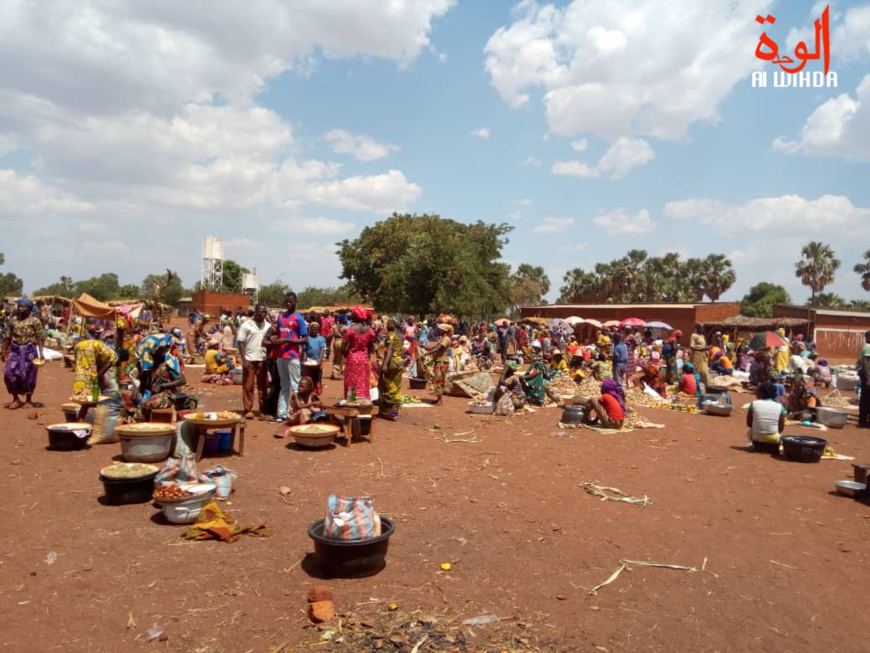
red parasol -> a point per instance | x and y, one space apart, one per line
632 321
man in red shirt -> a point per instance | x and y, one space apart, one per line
289 334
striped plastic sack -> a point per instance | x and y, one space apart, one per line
351 518
224 478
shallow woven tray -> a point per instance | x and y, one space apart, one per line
145 429
212 422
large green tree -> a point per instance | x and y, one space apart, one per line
66 287
761 299
529 284
166 288
232 279
103 287
315 296
272 294
424 264
10 284
817 267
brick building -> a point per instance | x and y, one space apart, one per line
212 303
679 316
838 334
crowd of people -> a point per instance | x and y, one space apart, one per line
280 357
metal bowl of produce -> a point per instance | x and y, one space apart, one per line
481 407
715 408
834 418
850 488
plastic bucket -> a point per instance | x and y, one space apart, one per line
236 376
210 448
225 439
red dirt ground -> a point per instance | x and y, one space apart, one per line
787 558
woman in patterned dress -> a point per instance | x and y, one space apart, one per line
23 344
390 381
441 361
359 343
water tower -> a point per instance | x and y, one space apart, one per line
251 284
212 263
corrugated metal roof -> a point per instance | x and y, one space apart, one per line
623 306
831 311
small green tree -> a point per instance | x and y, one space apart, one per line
761 299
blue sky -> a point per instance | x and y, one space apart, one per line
128 132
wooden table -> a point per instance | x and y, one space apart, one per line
203 432
350 415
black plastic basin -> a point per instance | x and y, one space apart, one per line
351 558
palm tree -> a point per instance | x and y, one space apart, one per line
817 267
864 270
694 285
719 276
579 285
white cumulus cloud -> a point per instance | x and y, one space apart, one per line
360 147
839 127
833 216
620 222
482 132
625 68
552 225
622 157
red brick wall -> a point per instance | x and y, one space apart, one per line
212 303
840 336
717 312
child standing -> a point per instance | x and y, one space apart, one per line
315 350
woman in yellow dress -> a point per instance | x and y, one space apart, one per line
94 362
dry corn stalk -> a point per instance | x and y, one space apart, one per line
615 494
624 564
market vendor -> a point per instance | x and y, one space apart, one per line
160 378
217 365
653 379
94 364
765 416
721 364
690 383
608 410
800 398
557 363
536 377
510 383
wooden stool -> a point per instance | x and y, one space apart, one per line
351 414
203 433
163 415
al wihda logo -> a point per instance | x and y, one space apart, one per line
793 73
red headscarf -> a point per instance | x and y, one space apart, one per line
360 313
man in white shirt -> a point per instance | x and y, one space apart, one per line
255 367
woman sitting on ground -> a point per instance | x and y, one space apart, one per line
652 378
766 416
510 383
690 381
608 410
722 364
217 365
801 398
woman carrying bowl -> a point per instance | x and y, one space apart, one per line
22 347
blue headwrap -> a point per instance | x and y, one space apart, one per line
24 301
